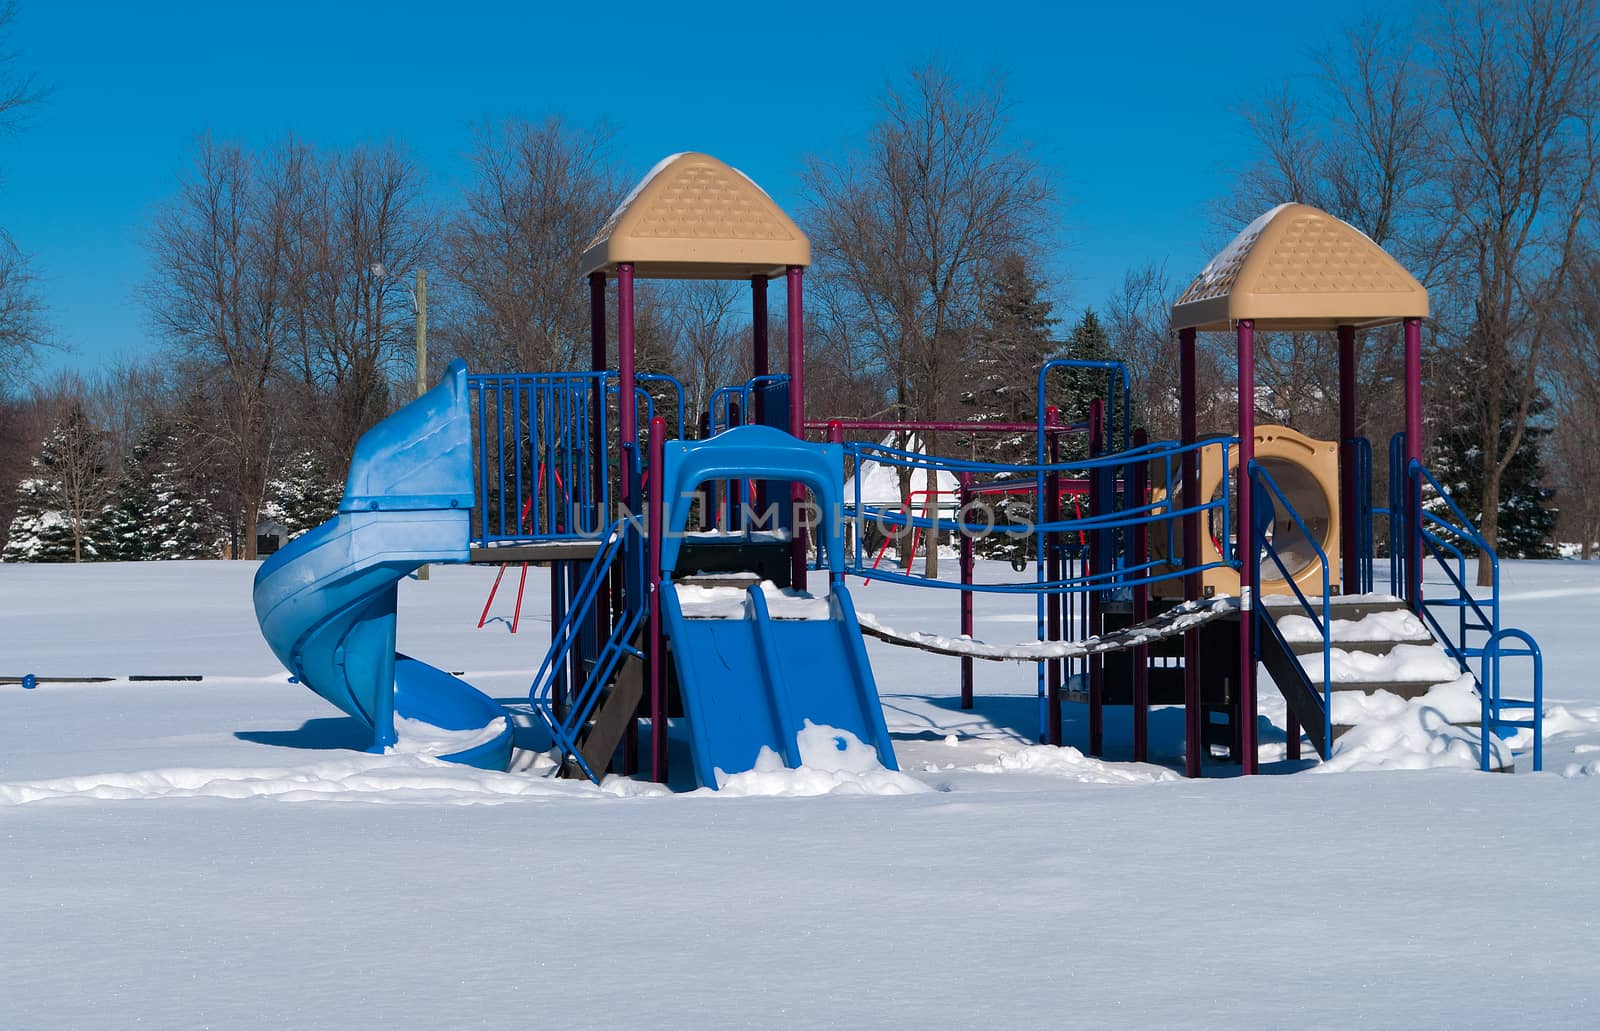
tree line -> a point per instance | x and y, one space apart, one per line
278 287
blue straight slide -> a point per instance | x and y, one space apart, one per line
754 683
326 600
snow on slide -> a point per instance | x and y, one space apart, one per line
326 601
765 694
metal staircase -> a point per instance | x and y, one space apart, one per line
587 726
1446 536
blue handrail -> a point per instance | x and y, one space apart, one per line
1266 494
1442 534
1494 704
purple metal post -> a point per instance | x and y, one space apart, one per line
1349 574
597 399
1191 550
658 696
759 367
1139 554
627 418
1413 330
836 436
797 413
733 489
1051 507
758 338
1246 551
628 433
1094 666
558 613
966 595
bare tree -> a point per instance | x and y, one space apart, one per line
1363 146
1520 87
19 90
221 280
1573 382
361 230
905 229
22 325
540 193
713 337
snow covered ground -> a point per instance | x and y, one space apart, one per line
216 854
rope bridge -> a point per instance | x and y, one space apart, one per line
1174 621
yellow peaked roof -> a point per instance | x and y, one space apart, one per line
1299 268
693 217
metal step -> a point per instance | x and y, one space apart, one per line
1345 606
1369 647
617 708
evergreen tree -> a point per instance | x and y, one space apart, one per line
1079 388
190 518
38 532
126 529
303 494
63 495
1527 522
1011 341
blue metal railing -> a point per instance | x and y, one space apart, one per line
1366 514
535 437
622 541
1126 572
1443 535
1446 534
1399 517
1495 705
650 402
1266 496
720 406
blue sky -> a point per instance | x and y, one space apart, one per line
1133 108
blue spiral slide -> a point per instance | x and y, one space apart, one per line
326 600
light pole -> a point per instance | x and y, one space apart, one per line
419 307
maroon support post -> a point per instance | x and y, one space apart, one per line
1349 532
627 433
627 418
797 414
1191 550
1246 551
1413 495
1051 507
597 400
1094 665
966 593
652 573
836 436
759 367
1139 491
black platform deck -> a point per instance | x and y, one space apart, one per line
535 552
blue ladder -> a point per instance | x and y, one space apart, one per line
568 725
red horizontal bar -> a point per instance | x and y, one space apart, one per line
940 427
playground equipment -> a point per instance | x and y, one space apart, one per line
326 600
1308 472
1137 603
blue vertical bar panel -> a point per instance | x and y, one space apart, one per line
500 450
516 442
